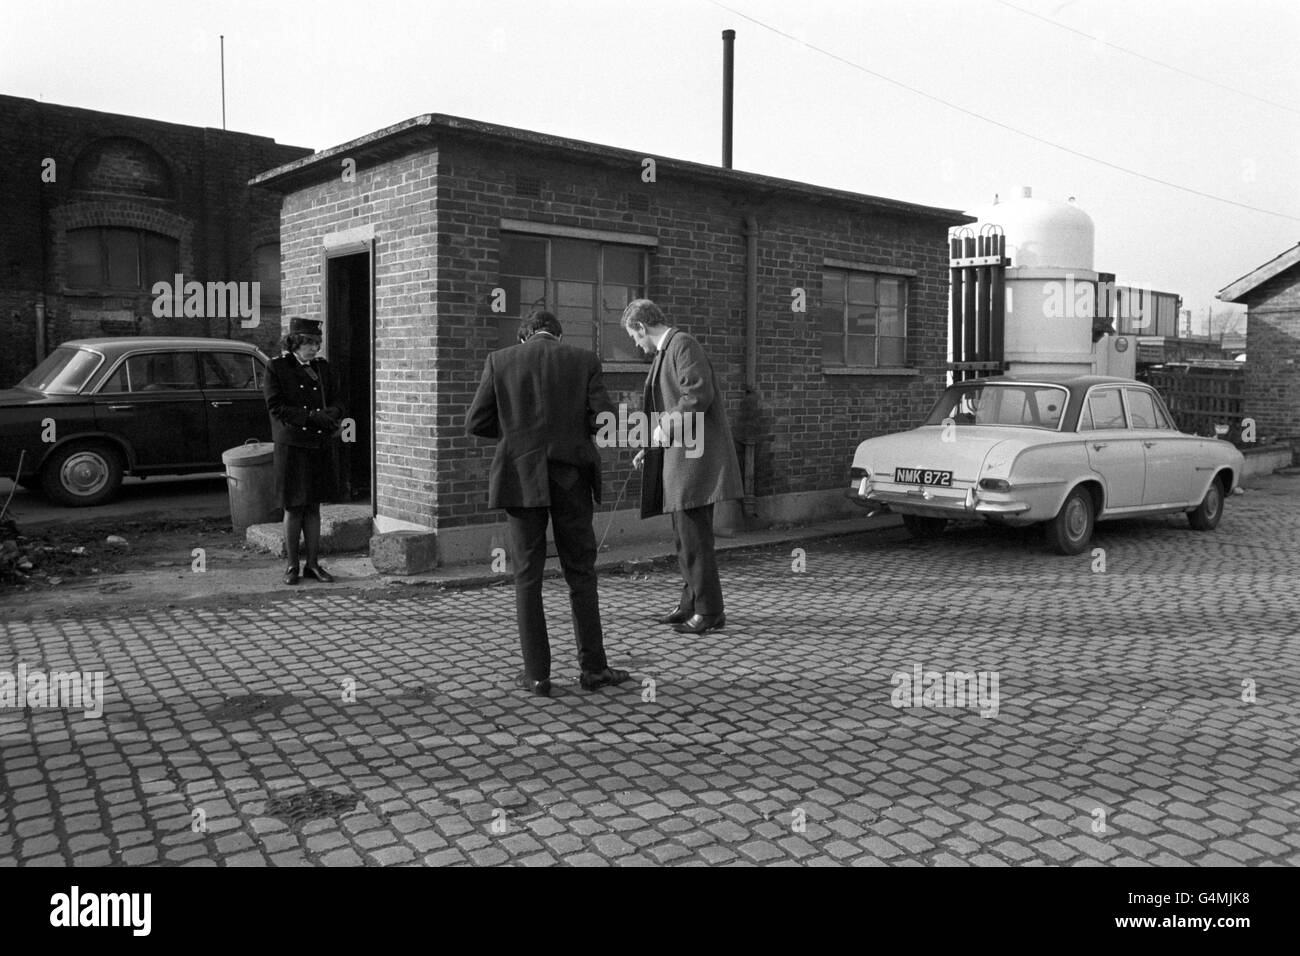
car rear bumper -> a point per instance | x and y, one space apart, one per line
938 502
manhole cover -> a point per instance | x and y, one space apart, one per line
244 706
298 808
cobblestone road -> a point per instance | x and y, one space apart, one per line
1120 736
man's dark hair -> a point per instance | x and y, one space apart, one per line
539 321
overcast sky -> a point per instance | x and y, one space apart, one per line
646 76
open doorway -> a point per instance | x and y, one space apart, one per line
349 337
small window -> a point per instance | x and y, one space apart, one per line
1141 408
162 372
117 383
268 275
1102 411
229 370
864 319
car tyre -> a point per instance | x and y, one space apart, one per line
1071 530
1207 514
919 526
81 474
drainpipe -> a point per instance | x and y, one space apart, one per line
750 401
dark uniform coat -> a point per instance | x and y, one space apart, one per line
682 380
306 453
541 399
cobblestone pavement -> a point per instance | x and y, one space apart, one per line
1120 736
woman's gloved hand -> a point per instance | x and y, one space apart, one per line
321 420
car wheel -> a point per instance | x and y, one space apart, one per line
920 526
82 473
1071 530
1210 510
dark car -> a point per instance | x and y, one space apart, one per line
97 409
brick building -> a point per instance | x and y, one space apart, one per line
98 207
422 244
1271 295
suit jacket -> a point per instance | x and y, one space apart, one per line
540 400
682 380
291 397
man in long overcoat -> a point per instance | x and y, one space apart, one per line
690 464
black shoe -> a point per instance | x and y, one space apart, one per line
316 572
291 575
542 688
675 616
699 623
590 680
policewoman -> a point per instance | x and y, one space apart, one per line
304 426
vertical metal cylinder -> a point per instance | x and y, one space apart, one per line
728 79
954 304
982 304
998 301
968 302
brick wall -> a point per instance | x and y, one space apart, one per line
184 182
810 423
1273 356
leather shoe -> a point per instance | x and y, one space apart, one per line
291 575
699 623
542 688
318 573
675 616
590 680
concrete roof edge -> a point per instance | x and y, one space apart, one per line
1238 290
287 176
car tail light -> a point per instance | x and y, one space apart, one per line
995 484
856 473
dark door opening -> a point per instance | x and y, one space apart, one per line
349 340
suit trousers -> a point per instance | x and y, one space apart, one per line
693 535
570 515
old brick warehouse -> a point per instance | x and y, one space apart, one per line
99 206
405 239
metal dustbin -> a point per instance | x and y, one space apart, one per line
250 478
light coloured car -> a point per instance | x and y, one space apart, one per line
1066 452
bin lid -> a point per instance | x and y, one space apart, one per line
253 453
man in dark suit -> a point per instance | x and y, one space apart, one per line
691 462
541 400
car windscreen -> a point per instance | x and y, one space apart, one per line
1022 405
64 372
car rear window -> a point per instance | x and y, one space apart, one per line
1023 405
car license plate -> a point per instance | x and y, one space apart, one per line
921 476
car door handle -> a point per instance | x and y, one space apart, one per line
219 404
1099 445
120 408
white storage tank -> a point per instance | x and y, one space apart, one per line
1050 284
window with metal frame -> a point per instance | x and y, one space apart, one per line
587 285
103 257
864 319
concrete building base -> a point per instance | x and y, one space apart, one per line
343 528
404 552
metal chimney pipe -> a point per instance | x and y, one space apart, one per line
728 78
